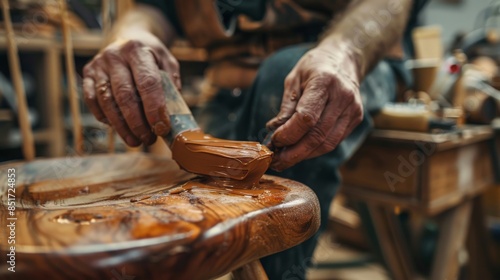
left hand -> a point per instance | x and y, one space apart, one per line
321 106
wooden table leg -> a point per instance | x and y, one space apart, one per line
454 224
478 245
394 247
250 271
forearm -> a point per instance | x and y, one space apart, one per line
143 18
367 30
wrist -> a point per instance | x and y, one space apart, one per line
351 53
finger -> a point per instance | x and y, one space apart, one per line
111 110
344 126
316 138
289 102
147 79
339 132
90 98
309 109
129 103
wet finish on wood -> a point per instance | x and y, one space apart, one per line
138 215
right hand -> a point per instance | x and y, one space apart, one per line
122 87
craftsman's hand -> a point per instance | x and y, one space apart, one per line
122 87
321 105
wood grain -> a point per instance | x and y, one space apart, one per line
392 241
71 76
102 216
373 166
460 170
17 78
452 235
430 174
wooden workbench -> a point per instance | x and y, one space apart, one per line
429 176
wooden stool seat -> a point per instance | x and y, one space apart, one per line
132 214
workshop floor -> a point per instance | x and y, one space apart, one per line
335 253
329 252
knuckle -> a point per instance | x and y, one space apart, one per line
88 69
112 55
328 146
325 76
148 82
89 99
139 127
306 118
317 137
349 97
124 94
131 45
174 64
359 116
289 81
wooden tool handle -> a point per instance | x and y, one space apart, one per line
15 71
181 118
175 102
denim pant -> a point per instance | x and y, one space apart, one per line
242 114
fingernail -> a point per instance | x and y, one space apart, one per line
161 129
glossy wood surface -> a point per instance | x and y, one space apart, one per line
111 216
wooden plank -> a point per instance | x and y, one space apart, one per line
461 137
478 245
442 204
459 170
71 76
453 230
53 101
382 168
28 143
359 194
84 43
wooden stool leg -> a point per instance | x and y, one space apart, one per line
17 79
250 271
395 250
478 245
453 231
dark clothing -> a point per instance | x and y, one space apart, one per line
255 106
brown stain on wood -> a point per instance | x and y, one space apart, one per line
96 216
230 163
